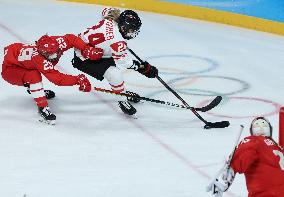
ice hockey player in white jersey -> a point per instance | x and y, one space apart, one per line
111 35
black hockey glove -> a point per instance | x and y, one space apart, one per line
145 69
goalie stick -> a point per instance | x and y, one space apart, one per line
208 125
205 108
228 163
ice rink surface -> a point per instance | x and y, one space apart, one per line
95 150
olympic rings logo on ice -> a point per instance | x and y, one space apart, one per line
174 65
196 61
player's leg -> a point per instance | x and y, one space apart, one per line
114 76
19 76
105 68
34 80
49 94
14 75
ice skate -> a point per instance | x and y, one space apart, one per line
46 115
127 108
49 94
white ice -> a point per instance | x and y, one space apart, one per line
94 150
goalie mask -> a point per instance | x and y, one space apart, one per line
129 24
49 48
261 126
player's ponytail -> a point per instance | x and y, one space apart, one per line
113 14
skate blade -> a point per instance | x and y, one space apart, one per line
50 122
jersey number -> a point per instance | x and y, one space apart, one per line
121 46
47 65
97 38
25 54
61 42
281 161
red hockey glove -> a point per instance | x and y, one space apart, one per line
146 69
84 83
92 53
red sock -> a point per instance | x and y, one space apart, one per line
41 101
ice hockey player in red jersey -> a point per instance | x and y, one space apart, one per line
24 65
111 35
260 159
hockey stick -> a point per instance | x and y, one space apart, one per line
228 163
207 125
205 108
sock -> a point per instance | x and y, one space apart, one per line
37 92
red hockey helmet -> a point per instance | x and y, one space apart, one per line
48 47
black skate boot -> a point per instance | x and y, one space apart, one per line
127 108
134 97
49 94
47 116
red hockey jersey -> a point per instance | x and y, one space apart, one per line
262 162
26 56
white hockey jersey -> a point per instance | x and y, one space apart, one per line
105 35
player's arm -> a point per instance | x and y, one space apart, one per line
70 40
73 41
61 79
120 55
245 155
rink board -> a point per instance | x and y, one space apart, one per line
194 12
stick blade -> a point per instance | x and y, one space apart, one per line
211 105
222 124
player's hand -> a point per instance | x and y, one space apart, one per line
92 53
146 69
84 83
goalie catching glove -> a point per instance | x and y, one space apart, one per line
145 69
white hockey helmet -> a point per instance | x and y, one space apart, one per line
261 126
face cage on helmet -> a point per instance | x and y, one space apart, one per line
128 35
132 34
51 57
270 127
